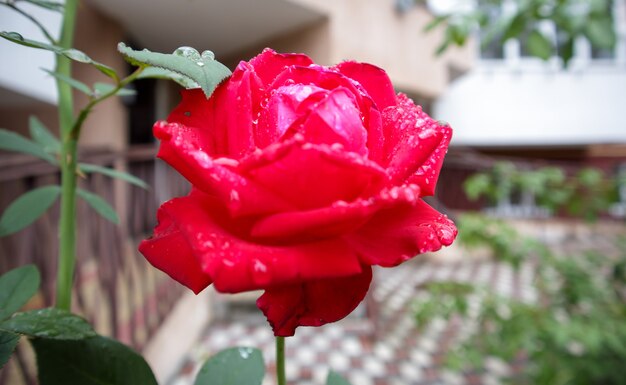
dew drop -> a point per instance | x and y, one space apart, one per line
188 53
260 273
208 55
15 36
245 353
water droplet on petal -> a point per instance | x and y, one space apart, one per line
260 273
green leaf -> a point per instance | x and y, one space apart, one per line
82 87
435 22
8 342
19 39
50 323
515 27
16 288
87 168
235 366
27 208
43 136
335 379
100 205
539 45
90 361
71 53
161 73
11 141
104 88
600 32
201 68
82 57
567 51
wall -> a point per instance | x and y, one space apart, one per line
97 35
375 32
498 106
20 67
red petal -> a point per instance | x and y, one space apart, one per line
373 79
336 220
336 119
269 64
395 235
313 303
331 79
313 175
169 251
236 264
184 150
415 145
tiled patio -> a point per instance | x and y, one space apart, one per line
388 350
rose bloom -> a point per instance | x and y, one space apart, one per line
304 177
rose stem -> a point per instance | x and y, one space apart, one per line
67 221
280 361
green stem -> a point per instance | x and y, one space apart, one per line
280 361
69 137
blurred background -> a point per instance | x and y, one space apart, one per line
535 92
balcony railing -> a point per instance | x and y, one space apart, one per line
116 289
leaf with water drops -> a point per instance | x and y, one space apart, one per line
91 361
49 323
16 288
27 208
11 141
8 342
41 135
202 68
235 366
71 53
335 379
100 205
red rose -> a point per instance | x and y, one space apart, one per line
304 177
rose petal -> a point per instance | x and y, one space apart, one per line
313 303
336 220
169 251
236 264
284 107
373 79
330 79
269 64
397 234
223 123
312 175
184 150
335 119
415 145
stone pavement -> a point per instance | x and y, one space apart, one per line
385 350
